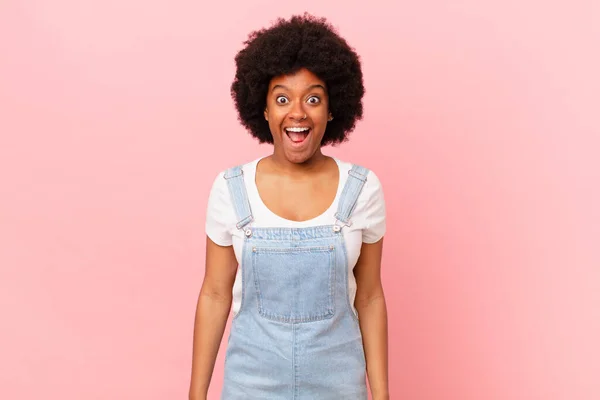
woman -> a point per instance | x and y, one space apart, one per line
309 315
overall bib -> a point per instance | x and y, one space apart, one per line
295 335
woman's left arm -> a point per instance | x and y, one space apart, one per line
372 314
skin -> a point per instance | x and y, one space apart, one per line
297 182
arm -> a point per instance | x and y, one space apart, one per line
214 303
372 313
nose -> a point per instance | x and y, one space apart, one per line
297 111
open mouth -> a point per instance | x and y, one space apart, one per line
297 134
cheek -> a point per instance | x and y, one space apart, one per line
274 125
321 119
321 113
274 115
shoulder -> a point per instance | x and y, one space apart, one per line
219 197
372 183
246 168
220 213
370 212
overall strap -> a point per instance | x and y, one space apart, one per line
239 197
356 180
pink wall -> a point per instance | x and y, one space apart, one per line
481 121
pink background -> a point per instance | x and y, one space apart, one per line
481 119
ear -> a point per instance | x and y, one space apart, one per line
266 114
330 117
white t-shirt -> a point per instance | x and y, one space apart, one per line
368 219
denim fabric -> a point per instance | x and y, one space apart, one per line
295 335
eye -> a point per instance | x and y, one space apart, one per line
281 100
314 100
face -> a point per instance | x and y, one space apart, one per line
297 111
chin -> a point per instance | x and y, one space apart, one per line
299 158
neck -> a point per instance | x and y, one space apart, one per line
281 163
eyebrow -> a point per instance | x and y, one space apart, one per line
310 87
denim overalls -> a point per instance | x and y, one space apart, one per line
295 335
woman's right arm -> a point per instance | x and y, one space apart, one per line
214 304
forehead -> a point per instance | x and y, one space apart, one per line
302 79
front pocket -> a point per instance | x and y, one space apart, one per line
294 284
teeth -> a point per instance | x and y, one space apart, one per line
296 129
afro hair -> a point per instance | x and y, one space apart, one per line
286 47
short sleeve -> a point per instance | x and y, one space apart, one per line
374 210
220 216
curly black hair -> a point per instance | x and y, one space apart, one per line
302 42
